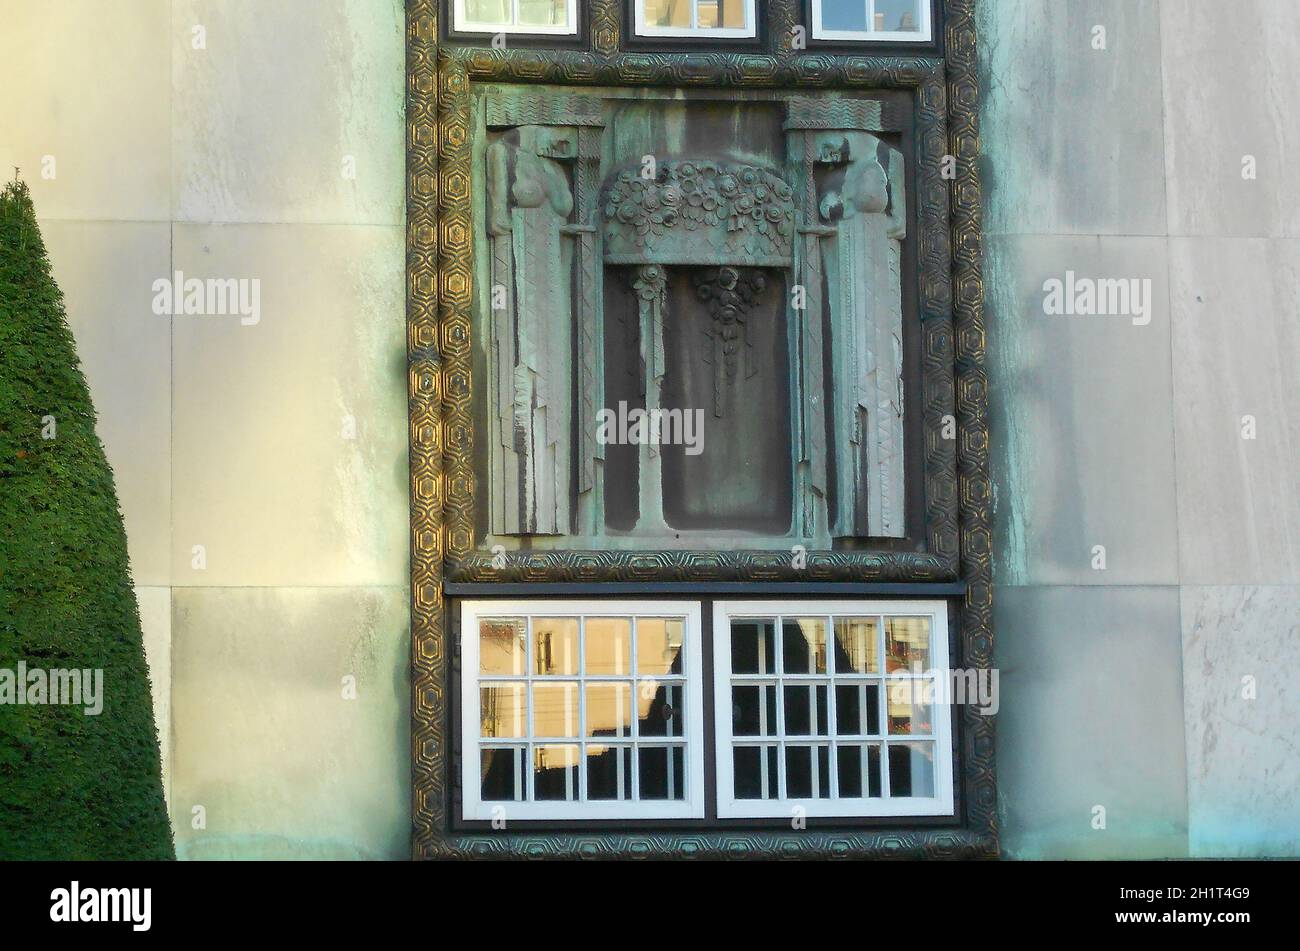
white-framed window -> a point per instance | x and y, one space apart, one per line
582 710
682 18
834 708
906 21
548 17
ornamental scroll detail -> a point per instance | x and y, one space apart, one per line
765 296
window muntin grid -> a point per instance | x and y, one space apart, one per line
541 17
893 21
837 708
684 18
582 710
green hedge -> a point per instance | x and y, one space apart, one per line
72 786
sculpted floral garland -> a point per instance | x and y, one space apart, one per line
703 193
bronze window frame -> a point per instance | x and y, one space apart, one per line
439 311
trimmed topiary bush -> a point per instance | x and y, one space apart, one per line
72 785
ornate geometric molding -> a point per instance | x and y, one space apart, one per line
956 498
863 115
550 109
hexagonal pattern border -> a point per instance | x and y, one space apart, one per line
439 290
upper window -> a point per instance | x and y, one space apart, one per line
890 20
724 18
516 16
596 710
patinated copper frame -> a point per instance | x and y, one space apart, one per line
439 269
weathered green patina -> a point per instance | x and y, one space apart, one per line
740 259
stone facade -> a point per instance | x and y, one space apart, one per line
276 151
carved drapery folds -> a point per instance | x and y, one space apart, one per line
705 247
542 177
855 219
530 202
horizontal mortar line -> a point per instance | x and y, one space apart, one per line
1071 234
1101 587
1096 234
180 221
277 587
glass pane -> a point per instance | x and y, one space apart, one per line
753 710
555 645
609 709
803 645
898 16
734 14
857 645
555 773
858 772
543 12
857 709
503 710
873 770
503 647
849 720
754 774
798 772
658 646
608 646
805 710
662 772
910 709
728 14
555 709
753 647
659 712
668 13
501 774
609 772
907 643
494 12
844 15
911 770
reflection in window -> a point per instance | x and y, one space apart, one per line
516 16
907 643
895 20
503 646
734 18
595 706
556 640
856 643
817 716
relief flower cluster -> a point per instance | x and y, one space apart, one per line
712 194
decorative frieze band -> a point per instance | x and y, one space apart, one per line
859 115
544 109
